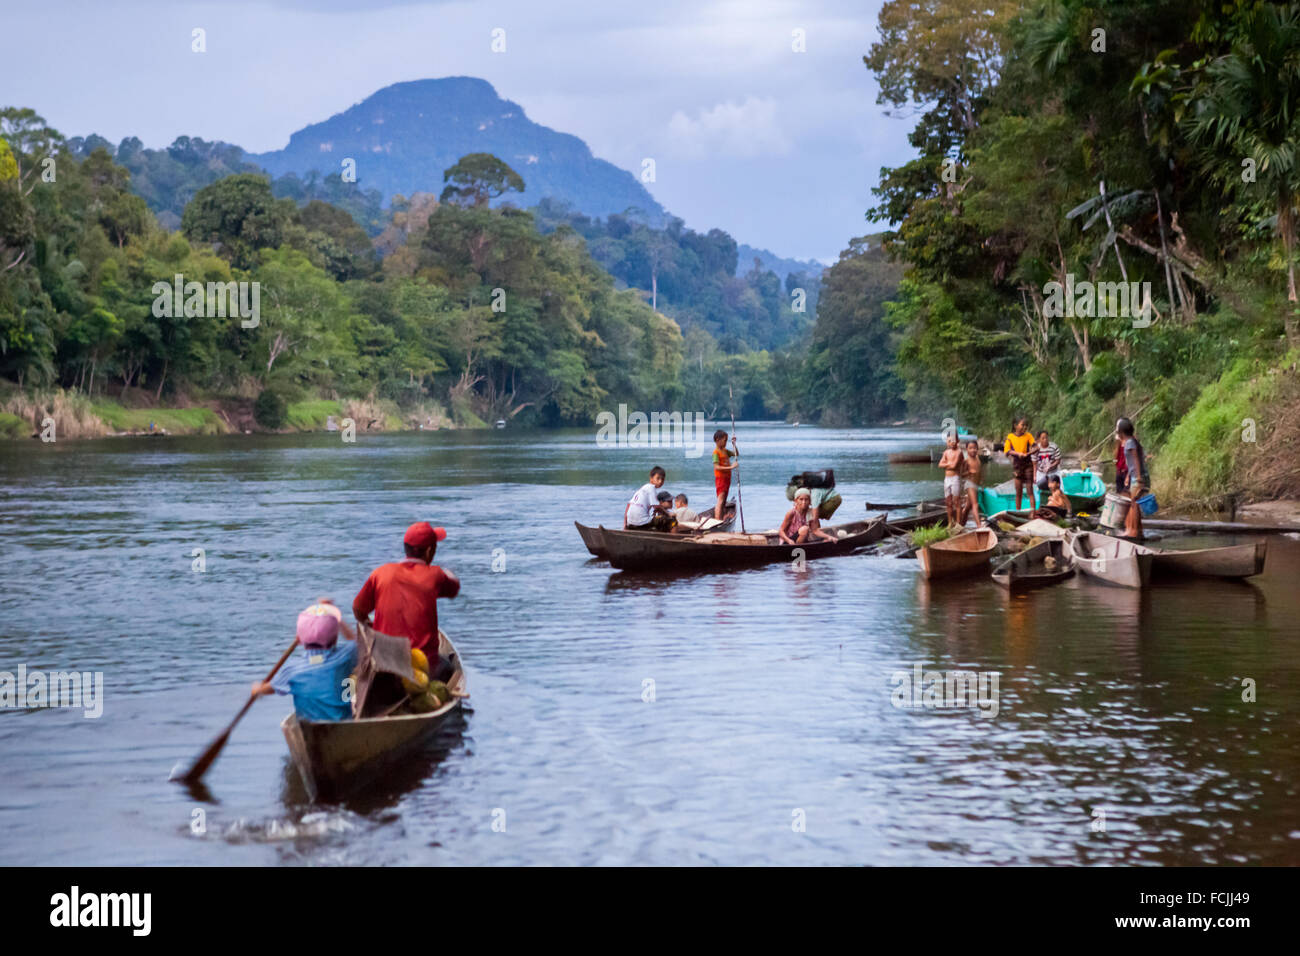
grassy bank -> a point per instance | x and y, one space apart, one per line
174 421
76 416
1240 439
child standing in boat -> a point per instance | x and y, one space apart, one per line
722 469
319 675
1022 463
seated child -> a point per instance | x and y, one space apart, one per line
682 511
801 524
319 676
1057 503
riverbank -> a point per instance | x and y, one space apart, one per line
23 416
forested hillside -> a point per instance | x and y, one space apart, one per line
1080 143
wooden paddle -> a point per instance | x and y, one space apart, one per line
209 756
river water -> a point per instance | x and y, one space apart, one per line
740 718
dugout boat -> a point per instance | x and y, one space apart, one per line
1042 564
594 542
1111 560
959 555
1234 561
719 551
337 758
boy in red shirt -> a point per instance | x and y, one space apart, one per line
722 469
404 594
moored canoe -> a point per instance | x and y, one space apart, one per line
1234 561
1029 569
1111 560
959 555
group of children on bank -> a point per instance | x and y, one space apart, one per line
1035 470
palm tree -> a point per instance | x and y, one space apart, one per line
1247 106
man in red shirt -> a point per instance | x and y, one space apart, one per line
404 594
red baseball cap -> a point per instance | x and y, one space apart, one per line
422 534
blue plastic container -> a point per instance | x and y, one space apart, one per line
1148 503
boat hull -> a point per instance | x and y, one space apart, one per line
1085 490
991 502
1026 570
337 758
1111 560
959 556
647 550
594 542
1237 561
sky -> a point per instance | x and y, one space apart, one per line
780 148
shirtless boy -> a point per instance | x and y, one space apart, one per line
951 463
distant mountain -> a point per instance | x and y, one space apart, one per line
405 135
745 256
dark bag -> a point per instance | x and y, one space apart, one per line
814 479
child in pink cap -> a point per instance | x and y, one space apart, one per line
319 677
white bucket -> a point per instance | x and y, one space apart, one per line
1115 510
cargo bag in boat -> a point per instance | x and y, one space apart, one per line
383 661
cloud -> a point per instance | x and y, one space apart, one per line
743 130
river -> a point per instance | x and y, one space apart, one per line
1121 734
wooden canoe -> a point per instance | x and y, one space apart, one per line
591 537
1111 560
961 554
337 758
718 551
1028 569
1234 561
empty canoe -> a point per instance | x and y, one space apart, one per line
1111 560
1234 561
1085 489
993 500
962 554
1045 563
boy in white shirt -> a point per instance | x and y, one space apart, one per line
644 507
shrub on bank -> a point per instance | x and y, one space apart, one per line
270 410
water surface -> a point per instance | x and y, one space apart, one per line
772 687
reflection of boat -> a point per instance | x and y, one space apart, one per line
1085 489
1111 560
959 555
1029 569
1234 561
591 537
642 550
338 757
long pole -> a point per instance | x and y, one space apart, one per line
740 501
